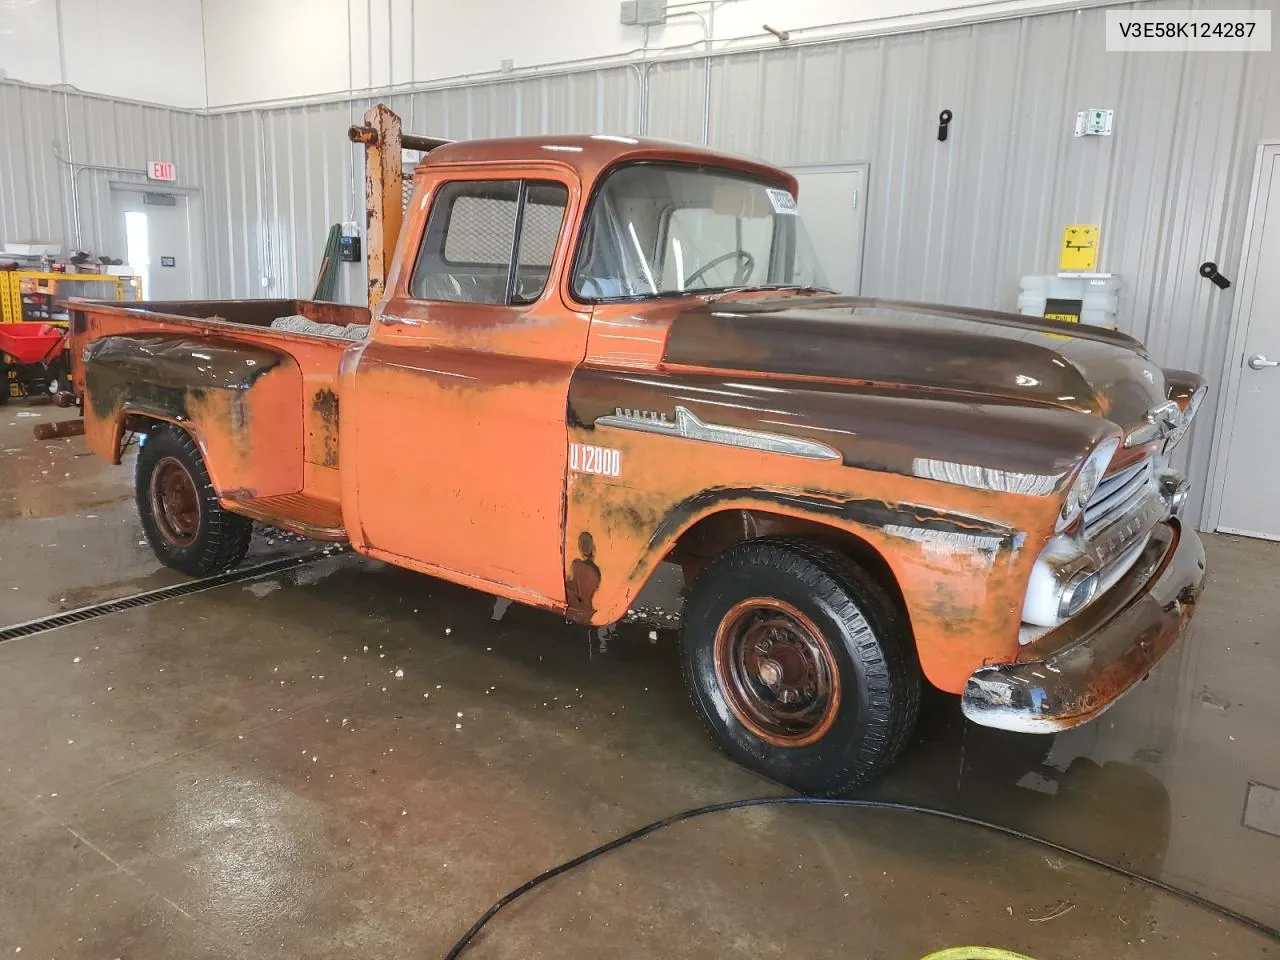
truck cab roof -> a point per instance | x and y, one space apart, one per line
590 155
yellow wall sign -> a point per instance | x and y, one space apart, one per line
1079 248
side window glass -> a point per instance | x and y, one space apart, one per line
544 207
466 248
471 231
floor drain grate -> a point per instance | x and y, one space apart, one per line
92 612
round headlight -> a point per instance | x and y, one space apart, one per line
1086 481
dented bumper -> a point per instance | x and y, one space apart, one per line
1077 671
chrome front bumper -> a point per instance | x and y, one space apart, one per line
1077 670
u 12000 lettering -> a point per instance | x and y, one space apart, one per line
601 461
1223 31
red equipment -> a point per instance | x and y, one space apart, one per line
34 352
29 343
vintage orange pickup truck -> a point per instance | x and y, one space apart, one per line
592 354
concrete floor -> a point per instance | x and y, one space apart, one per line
350 760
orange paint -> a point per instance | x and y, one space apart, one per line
965 604
446 441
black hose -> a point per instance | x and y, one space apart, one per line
656 825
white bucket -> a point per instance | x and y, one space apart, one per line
1099 296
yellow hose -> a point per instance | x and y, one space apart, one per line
975 953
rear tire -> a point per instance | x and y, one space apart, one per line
187 529
800 665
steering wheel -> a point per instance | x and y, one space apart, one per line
746 265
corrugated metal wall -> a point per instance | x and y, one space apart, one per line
281 178
285 175
36 189
32 196
957 221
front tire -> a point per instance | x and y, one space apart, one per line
187 528
801 666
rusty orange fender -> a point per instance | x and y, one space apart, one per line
962 575
959 542
240 402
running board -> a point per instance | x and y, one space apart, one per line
298 513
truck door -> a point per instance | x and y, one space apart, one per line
460 395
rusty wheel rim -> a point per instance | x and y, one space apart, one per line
777 671
175 504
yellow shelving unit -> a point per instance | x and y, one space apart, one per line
31 294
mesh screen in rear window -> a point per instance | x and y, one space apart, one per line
480 230
541 227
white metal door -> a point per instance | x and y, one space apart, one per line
833 203
160 243
1251 473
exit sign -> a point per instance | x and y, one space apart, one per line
161 170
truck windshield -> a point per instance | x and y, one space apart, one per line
663 229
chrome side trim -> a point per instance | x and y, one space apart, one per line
984 478
946 542
687 425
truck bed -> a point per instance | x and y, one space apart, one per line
263 403
258 314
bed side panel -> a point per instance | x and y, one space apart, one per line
242 403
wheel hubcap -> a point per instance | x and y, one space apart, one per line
175 505
778 673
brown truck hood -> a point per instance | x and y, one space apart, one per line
924 348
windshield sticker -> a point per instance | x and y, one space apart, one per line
782 200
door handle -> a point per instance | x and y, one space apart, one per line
1259 362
